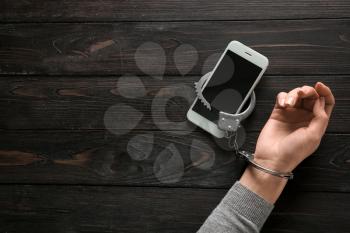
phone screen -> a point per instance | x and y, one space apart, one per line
229 84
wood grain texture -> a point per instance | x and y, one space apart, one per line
143 158
293 47
83 102
84 150
136 10
126 209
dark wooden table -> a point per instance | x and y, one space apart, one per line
90 141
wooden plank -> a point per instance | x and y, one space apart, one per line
83 102
293 46
136 10
157 158
316 215
127 209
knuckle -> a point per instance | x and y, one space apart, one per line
298 90
281 94
294 92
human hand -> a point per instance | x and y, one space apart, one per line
295 127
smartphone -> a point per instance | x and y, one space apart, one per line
230 85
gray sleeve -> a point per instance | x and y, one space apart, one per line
241 210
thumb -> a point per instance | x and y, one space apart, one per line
319 123
319 106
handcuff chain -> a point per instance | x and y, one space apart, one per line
232 143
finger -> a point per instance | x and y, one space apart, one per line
307 97
326 92
292 97
308 104
319 123
280 99
308 92
297 96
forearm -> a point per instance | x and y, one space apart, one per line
247 205
241 210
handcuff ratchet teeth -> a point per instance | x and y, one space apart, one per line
199 86
226 121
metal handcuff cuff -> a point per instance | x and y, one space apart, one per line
230 123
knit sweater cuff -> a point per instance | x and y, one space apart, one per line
248 204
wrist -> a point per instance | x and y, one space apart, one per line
265 185
276 164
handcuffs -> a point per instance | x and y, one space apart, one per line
230 123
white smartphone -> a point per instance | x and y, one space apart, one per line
230 85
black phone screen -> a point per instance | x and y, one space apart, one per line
228 85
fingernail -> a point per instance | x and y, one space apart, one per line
290 100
